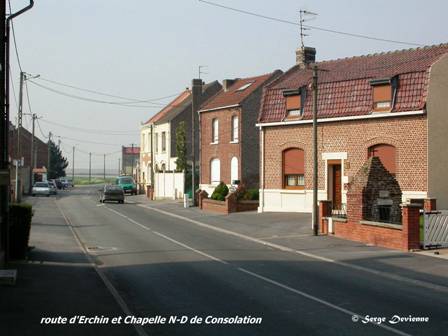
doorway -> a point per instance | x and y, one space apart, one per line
336 195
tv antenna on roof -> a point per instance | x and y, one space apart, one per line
200 72
305 16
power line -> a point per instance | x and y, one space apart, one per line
40 129
309 26
131 100
14 38
89 99
94 131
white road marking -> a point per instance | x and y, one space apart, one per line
395 277
113 291
260 277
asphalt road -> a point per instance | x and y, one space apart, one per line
154 264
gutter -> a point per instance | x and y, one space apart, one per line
336 119
219 108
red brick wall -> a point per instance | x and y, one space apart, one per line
224 150
375 235
407 134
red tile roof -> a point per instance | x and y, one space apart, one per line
232 96
179 100
344 84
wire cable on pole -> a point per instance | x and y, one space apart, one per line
309 26
90 99
131 100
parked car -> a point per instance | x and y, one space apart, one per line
41 188
66 183
112 192
59 184
53 187
127 183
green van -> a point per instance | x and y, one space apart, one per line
127 183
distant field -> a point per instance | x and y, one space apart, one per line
83 180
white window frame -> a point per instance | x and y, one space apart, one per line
235 129
234 169
215 131
215 171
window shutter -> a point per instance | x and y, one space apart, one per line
293 161
382 93
293 102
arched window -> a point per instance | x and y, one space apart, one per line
233 170
293 168
215 130
163 167
215 171
387 155
235 129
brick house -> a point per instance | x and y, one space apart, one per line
229 139
391 105
129 160
158 134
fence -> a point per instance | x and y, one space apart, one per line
436 230
169 185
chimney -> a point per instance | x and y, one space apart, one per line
227 83
305 56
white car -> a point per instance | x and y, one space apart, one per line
41 188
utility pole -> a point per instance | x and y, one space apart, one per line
90 166
104 169
73 166
49 153
33 156
196 88
4 128
132 160
315 155
19 113
152 157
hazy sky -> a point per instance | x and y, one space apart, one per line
149 49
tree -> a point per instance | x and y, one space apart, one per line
181 147
57 163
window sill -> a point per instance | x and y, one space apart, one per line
234 142
214 143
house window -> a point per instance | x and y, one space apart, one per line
215 171
235 135
163 142
215 130
233 170
383 92
156 143
386 154
382 97
294 103
293 168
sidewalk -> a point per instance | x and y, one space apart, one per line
57 280
293 230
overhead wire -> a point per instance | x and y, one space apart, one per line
131 100
309 26
90 99
87 130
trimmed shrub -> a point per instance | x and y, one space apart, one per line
252 195
20 225
240 192
220 192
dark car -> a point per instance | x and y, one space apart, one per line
112 193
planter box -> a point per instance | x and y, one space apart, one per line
228 206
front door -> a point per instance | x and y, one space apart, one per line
337 188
